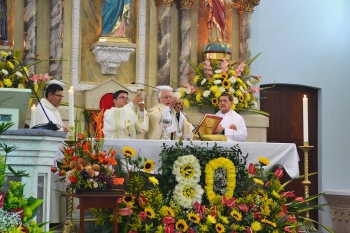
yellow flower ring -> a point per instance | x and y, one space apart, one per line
210 170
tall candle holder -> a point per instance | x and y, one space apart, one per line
306 148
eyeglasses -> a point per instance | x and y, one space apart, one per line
59 96
123 98
166 97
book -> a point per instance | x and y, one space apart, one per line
208 124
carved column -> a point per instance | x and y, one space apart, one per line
164 25
30 22
56 38
245 9
185 7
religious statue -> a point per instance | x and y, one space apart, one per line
216 15
115 16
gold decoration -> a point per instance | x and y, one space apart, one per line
211 137
69 225
164 2
186 4
245 5
306 148
114 39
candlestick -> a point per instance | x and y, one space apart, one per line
305 119
71 107
32 115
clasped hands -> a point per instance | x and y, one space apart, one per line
220 129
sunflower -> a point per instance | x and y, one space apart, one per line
214 101
226 83
193 217
150 212
219 228
167 211
128 151
269 222
220 179
128 200
148 166
264 161
236 215
181 225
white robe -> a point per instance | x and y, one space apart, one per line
180 128
230 118
51 111
124 123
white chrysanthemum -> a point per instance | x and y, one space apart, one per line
96 173
5 72
249 84
232 90
218 81
206 93
95 185
222 89
242 89
187 168
19 74
188 91
232 79
235 100
67 180
218 71
203 81
187 194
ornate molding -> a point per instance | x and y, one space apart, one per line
245 5
164 2
186 4
110 57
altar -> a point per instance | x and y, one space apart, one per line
278 153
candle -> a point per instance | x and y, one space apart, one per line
71 107
32 115
305 119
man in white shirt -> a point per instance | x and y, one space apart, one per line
51 102
165 109
232 124
125 120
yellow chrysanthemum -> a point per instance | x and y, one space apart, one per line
199 97
247 96
150 212
214 101
26 70
236 215
256 226
232 72
128 200
128 151
269 222
193 217
217 94
239 80
224 219
10 65
182 91
203 228
264 161
219 228
257 181
265 210
233 107
186 103
7 82
148 166
214 88
153 180
167 211
181 225
4 54
226 83
211 219
215 76
195 79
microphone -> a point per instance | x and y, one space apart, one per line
50 125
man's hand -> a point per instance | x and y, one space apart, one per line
233 126
173 102
178 107
141 106
137 99
219 129
65 129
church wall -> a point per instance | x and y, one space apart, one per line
307 43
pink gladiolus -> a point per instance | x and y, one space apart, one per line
224 65
240 68
279 172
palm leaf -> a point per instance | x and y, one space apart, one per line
324 226
253 59
194 67
257 111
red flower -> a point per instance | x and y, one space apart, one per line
267 184
300 199
287 194
79 145
80 136
142 201
142 215
2 198
125 211
252 169
19 211
286 229
74 157
54 169
249 230
24 229
168 219
61 173
191 230
244 207
258 216
284 208
231 203
279 172
73 179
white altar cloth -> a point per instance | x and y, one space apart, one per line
278 153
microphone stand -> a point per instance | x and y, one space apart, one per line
50 125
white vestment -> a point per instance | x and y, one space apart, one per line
233 118
124 123
179 128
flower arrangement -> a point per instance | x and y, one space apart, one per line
85 165
16 211
208 191
213 77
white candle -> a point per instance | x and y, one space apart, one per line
305 119
32 115
71 107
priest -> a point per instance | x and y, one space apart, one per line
168 107
126 119
232 124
